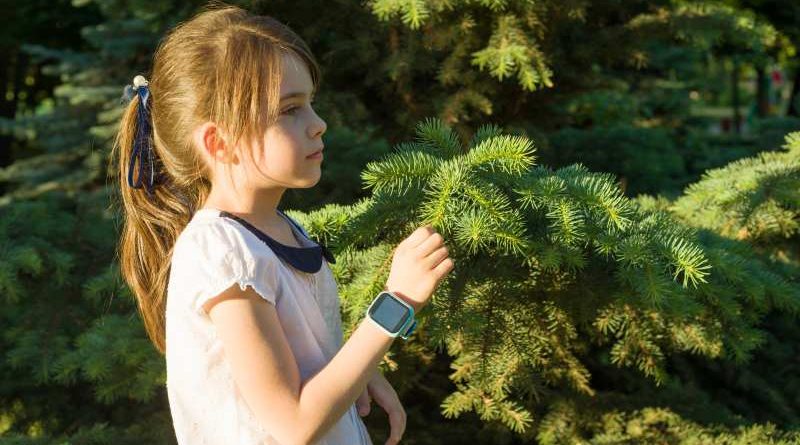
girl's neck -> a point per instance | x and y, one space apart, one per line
261 207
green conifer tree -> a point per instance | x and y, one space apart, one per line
572 312
556 273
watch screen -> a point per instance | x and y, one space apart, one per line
389 313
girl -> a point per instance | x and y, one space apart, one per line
242 303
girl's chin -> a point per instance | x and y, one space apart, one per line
311 181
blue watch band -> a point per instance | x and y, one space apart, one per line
410 330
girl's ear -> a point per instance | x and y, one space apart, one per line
211 141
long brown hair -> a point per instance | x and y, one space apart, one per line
222 65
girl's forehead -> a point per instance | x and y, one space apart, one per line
296 78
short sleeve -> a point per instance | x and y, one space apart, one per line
212 258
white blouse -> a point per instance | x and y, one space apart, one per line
210 254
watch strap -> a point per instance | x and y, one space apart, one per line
410 329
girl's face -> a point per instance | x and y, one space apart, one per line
286 145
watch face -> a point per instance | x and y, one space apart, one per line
388 312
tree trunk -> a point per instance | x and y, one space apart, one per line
737 118
794 110
8 108
762 91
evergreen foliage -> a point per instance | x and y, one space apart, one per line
76 358
511 49
755 199
556 273
574 313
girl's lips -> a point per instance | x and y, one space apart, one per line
316 155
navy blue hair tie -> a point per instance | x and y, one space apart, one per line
142 150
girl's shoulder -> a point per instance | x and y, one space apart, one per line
205 229
208 233
211 253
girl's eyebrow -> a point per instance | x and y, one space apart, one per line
300 94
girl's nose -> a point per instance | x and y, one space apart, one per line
318 127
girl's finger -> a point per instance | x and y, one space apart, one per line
363 403
397 423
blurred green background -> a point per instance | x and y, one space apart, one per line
654 92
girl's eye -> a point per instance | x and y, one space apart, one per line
291 110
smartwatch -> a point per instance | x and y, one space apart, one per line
393 315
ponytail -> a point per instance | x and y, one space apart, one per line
155 212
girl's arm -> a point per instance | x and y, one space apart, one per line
268 377
265 368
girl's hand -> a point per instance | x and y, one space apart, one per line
419 263
384 395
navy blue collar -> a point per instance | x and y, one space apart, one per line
307 259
